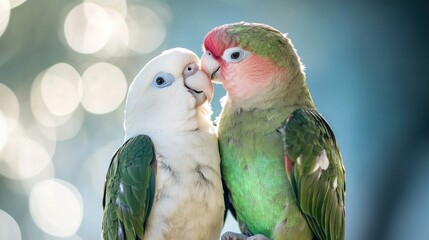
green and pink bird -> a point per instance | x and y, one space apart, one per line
281 165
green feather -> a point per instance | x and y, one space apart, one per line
127 208
253 166
321 202
265 41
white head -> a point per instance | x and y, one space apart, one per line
169 94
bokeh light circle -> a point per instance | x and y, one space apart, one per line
61 89
56 207
4 15
9 228
119 39
87 28
147 30
4 131
39 108
104 88
9 112
9 106
119 6
23 158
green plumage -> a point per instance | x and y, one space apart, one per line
253 167
129 190
319 192
270 42
266 198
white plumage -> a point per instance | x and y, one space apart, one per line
188 200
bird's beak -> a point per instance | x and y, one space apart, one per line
211 67
198 83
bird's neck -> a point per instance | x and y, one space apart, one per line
198 119
203 116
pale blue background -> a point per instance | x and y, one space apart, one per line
367 72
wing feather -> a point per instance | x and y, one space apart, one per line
129 190
308 136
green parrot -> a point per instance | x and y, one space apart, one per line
164 182
283 173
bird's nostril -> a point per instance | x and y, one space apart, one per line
190 69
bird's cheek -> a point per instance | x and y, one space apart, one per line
227 73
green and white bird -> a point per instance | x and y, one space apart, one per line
279 158
164 182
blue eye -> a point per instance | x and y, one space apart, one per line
235 54
163 79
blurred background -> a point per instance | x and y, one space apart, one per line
65 67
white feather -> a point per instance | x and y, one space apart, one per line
149 109
298 160
322 162
335 183
188 209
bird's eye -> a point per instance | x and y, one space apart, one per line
159 81
163 79
235 54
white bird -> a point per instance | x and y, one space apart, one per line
165 182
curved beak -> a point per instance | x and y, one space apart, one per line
211 67
198 83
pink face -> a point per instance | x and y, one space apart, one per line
242 73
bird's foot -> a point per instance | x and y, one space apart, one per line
238 236
233 236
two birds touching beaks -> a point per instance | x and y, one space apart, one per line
272 161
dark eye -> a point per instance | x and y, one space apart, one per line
162 80
235 55
159 81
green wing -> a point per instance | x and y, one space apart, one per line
129 190
315 169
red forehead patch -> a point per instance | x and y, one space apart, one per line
217 40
